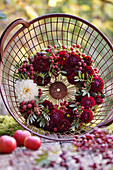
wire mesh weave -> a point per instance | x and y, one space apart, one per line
50 29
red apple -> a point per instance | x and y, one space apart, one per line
32 142
7 144
20 136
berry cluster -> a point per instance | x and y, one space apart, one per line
26 69
29 108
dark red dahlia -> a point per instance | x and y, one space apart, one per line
88 70
98 100
88 102
74 59
50 127
87 60
63 125
78 98
41 64
97 85
42 82
63 58
69 115
56 115
86 116
47 104
71 78
67 69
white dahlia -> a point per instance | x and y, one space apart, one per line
26 90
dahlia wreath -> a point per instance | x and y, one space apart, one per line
58 89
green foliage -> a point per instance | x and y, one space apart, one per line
8 125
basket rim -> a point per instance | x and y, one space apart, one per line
31 22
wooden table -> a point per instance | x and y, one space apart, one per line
24 159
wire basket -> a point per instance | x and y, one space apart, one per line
50 29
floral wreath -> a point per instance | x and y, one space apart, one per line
69 78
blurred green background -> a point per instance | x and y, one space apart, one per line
98 12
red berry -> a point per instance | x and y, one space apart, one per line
29 58
78 46
61 103
24 69
77 51
32 101
29 106
24 65
32 72
31 68
74 45
82 61
32 77
50 57
24 107
84 64
28 73
71 48
83 55
63 47
22 103
49 46
29 111
80 68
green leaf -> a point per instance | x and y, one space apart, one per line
83 76
72 105
88 94
79 74
94 107
76 77
74 109
63 72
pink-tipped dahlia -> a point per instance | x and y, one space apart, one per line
56 115
88 102
98 100
86 116
41 64
97 85
87 60
47 104
63 125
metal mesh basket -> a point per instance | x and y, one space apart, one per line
50 29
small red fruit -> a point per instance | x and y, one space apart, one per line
7 144
32 142
20 136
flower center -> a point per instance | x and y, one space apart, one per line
58 90
26 90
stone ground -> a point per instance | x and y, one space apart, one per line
24 159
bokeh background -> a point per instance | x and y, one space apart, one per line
98 12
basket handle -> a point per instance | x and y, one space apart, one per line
8 30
